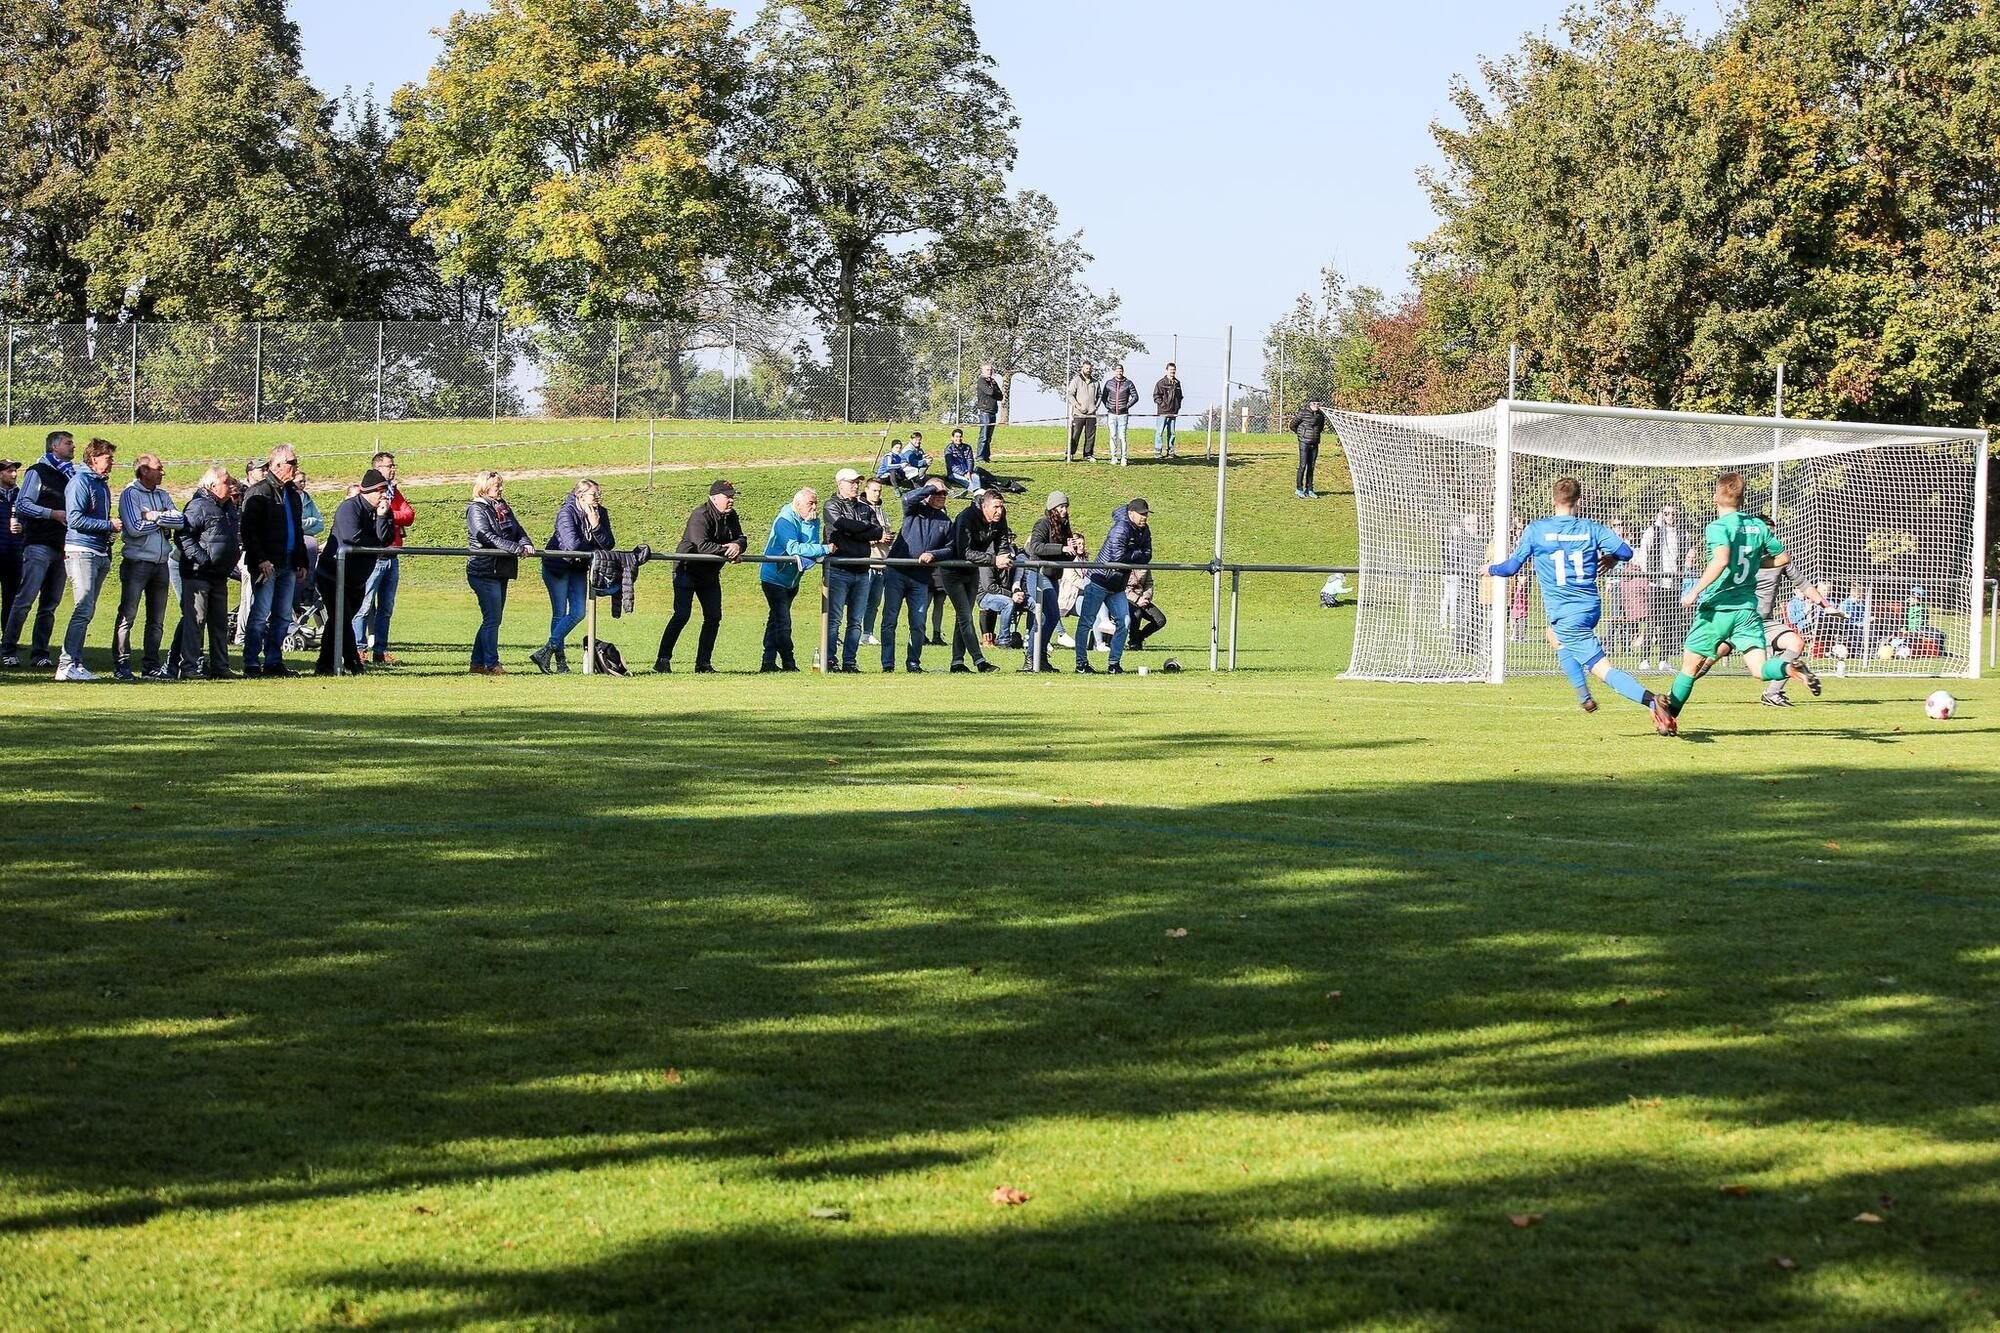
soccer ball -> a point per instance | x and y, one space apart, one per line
1940 706
1840 652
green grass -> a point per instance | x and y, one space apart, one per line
425 1000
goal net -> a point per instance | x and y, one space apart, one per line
1887 521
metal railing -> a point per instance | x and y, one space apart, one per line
1215 569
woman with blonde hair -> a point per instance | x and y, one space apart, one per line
582 524
490 526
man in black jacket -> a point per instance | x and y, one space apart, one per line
987 395
40 507
712 529
363 519
852 529
209 545
980 536
1167 399
1309 424
274 550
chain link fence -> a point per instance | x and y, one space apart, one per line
754 366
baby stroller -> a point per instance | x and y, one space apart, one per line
308 618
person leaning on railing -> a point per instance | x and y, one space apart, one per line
363 519
1129 542
794 532
712 529
1051 539
208 543
852 527
582 524
490 526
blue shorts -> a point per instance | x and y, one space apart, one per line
1577 636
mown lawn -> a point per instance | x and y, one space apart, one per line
423 1000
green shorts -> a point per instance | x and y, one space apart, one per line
1740 627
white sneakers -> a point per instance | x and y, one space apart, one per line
78 673
870 641
1063 640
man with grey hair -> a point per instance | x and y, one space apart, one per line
795 532
1083 396
274 551
987 395
852 528
148 514
209 543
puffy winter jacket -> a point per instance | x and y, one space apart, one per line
572 534
490 525
1126 544
1309 424
1120 395
212 541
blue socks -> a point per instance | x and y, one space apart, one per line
1576 674
1625 685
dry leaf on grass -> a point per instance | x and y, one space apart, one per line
1736 1191
1783 1263
1268 759
832 759
1620 1002
1322 1046
423 1211
1523 1219
827 1214
1833 846
1869 1218
671 1076
1006 1196
1177 933
1333 995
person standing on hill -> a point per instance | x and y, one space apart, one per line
1308 425
852 527
1167 400
10 539
274 546
712 529
1120 397
987 395
378 600
1129 542
1082 396
90 521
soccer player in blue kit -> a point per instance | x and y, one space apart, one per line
1569 552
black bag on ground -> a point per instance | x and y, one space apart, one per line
606 661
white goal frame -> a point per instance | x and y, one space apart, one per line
1417 479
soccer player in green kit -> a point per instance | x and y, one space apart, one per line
1724 598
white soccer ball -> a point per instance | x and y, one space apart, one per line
1940 706
1840 651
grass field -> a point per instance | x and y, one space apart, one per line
424 1000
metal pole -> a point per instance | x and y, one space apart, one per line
1235 602
649 453
826 662
1993 626
496 370
132 391
589 624
10 372
1503 511
735 369
339 625
257 379
958 387
847 380
1513 362
1778 440
1979 521
1221 501
617 350
378 372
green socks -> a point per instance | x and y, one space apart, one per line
1682 688
1773 669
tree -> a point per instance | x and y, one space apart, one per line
568 155
882 137
1031 311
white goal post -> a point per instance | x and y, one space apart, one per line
1888 521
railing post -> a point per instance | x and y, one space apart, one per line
1235 602
735 369
847 380
826 663
132 385
617 352
378 372
589 623
340 625
1221 500
10 372
257 377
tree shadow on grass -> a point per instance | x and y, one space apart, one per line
492 937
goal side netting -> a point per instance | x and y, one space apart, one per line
1885 521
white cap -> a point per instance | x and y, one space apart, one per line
847 474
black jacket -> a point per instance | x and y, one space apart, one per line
355 523
211 542
263 522
1120 395
709 530
1049 540
490 525
1308 425
986 395
50 491
852 528
981 542
1168 396
924 529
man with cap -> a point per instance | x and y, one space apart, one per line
712 529
852 529
1052 540
274 550
149 515
1130 542
363 519
927 536
40 510
10 540
1083 396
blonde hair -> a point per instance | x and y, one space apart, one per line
484 484
1729 487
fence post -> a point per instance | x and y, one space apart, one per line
589 624
617 352
257 377
735 369
847 380
649 453
1235 602
958 386
339 611
1221 499
378 372
496 371
10 372
132 385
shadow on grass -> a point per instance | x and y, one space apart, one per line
501 929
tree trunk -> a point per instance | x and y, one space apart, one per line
1007 394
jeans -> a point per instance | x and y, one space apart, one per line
41 581
204 611
1163 438
1308 457
86 571
958 588
846 591
1121 422
339 637
986 420
492 596
1097 597
900 589
268 616
778 624
136 579
1044 604
871 601
569 597
1085 429
378 603
706 586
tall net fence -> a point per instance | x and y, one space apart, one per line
1883 521
748 365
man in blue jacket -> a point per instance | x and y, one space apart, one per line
794 532
1130 542
40 509
89 523
927 536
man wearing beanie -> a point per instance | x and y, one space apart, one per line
363 519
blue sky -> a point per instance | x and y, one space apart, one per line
1216 155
